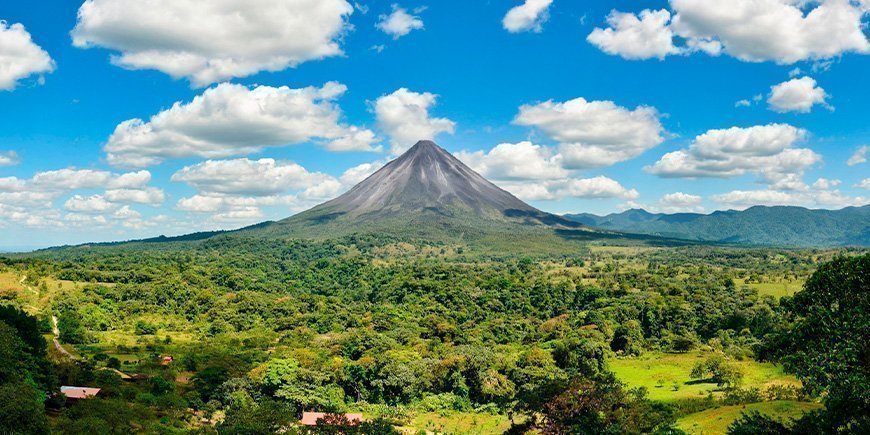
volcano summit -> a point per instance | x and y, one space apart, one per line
425 191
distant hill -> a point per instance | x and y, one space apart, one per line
759 225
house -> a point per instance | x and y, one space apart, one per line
166 360
310 418
78 393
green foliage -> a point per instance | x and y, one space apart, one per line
724 373
759 225
755 423
21 408
826 344
267 328
601 405
266 416
145 328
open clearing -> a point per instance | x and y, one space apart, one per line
666 375
716 421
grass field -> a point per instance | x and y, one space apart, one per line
716 421
458 423
775 289
666 375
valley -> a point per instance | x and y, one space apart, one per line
439 339
424 300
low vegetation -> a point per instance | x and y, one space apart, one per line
421 336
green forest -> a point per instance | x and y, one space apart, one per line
242 335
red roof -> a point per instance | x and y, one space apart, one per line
310 418
79 392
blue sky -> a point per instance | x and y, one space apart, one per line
644 114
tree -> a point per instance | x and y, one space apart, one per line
266 416
145 328
21 409
600 405
755 423
827 345
628 338
724 373
69 324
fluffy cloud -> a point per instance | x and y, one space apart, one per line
20 57
864 184
215 40
594 133
31 202
797 95
249 177
534 172
147 195
775 30
529 16
599 187
740 199
860 156
636 37
399 23
9 158
679 202
765 150
783 31
89 204
519 161
235 191
404 116
596 187
70 179
233 119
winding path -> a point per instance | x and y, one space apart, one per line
57 342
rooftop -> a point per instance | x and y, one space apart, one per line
79 392
310 418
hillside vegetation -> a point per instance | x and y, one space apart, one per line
413 334
759 225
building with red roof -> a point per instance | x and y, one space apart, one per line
78 393
310 418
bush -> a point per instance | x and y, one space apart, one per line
143 328
724 373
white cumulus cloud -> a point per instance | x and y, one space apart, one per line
529 16
817 197
9 158
20 57
679 202
594 133
399 23
535 173
860 156
515 161
215 40
765 150
781 31
232 119
404 116
249 177
797 95
644 36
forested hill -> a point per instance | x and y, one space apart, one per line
759 225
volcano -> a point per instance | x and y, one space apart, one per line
426 190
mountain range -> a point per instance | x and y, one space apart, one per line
428 194
759 225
